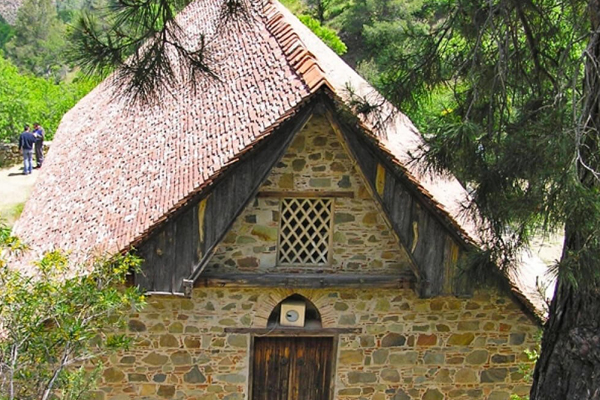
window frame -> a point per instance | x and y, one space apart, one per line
329 241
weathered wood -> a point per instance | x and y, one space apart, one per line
296 331
169 254
311 193
180 249
288 368
184 245
235 191
421 230
305 281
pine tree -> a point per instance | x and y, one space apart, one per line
519 125
39 40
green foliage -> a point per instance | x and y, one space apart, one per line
327 35
38 44
58 319
112 40
325 10
27 99
6 33
509 89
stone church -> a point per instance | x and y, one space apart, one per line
292 249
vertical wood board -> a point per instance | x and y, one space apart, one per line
292 368
181 247
416 226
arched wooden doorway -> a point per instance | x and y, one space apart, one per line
296 365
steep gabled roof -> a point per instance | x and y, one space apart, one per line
117 171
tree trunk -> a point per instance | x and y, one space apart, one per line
569 364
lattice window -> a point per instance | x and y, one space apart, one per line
305 230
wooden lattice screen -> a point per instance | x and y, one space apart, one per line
305 230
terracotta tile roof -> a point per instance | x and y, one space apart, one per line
116 171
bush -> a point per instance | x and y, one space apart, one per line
327 35
27 99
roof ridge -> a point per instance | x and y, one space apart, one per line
300 59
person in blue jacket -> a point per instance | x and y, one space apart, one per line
26 144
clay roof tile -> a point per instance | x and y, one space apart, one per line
134 165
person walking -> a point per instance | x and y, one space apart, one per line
26 144
38 133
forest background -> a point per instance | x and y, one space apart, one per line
40 83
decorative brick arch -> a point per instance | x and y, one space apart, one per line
270 300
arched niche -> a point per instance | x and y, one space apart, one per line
312 316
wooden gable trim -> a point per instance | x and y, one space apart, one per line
177 253
433 243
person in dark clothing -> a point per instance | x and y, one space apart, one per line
38 132
26 144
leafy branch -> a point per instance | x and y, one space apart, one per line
58 320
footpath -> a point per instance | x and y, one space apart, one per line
14 191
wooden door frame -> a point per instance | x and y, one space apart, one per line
334 353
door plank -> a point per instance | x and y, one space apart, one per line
292 368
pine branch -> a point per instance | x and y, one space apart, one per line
144 48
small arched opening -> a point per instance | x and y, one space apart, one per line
295 312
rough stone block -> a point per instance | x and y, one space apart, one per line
465 375
393 340
351 357
238 341
434 357
361 377
477 357
155 359
426 340
404 358
380 356
166 391
433 394
194 376
390 375
113 374
516 339
168 340
493 375
181 357
461 339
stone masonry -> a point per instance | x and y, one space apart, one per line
408 348
10 154
363 241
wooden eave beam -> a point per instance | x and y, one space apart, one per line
304 280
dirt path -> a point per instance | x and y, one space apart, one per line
14 191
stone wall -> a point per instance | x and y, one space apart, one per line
10 154
409 348
316 161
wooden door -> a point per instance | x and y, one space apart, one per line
292 368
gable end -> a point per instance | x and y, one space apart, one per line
179 250
434 243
